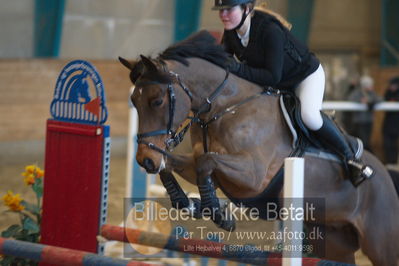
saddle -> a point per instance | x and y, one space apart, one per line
303 138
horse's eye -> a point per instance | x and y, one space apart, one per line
156 103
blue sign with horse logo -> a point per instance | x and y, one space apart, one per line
79 95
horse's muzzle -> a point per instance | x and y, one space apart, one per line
148 158
149 166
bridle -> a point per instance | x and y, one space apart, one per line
177 137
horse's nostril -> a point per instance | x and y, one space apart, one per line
148 165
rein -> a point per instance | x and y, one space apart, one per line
177 137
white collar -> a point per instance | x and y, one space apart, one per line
245 38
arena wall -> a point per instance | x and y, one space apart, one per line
27 88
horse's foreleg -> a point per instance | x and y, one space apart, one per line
178 198
242 170
210 205
237 168
184 166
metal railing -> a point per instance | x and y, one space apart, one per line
355 106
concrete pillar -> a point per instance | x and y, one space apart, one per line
300 16
389 32
187 17
48 27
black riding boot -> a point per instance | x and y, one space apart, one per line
331 136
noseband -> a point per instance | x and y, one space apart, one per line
177 137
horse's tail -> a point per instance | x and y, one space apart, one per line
395 178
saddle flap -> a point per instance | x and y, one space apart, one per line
291 109
302 137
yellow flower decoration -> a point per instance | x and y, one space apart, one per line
32 172
29 180
39 173
13 201
30 168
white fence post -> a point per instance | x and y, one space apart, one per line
293 198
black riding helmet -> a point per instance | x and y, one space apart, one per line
222 4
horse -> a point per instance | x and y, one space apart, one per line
77 89
239 139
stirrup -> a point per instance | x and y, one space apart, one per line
356 146
362 172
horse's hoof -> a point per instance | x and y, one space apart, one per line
223 219
195 208
180 204
228 225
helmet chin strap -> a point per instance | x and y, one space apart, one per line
243 18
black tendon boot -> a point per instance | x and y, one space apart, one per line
331 136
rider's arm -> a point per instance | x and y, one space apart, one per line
272 41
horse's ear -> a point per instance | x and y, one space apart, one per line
126 63
148 64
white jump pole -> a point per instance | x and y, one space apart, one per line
293 197
132 131
355 106
131 152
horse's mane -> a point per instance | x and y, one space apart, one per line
202 45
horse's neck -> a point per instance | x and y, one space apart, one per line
203 78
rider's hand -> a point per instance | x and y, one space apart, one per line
232 65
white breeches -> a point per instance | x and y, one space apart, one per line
310 92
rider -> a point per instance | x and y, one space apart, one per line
266 53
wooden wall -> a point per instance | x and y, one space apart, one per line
27 88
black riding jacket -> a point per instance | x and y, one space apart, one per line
273 57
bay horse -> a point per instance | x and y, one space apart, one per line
239 140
